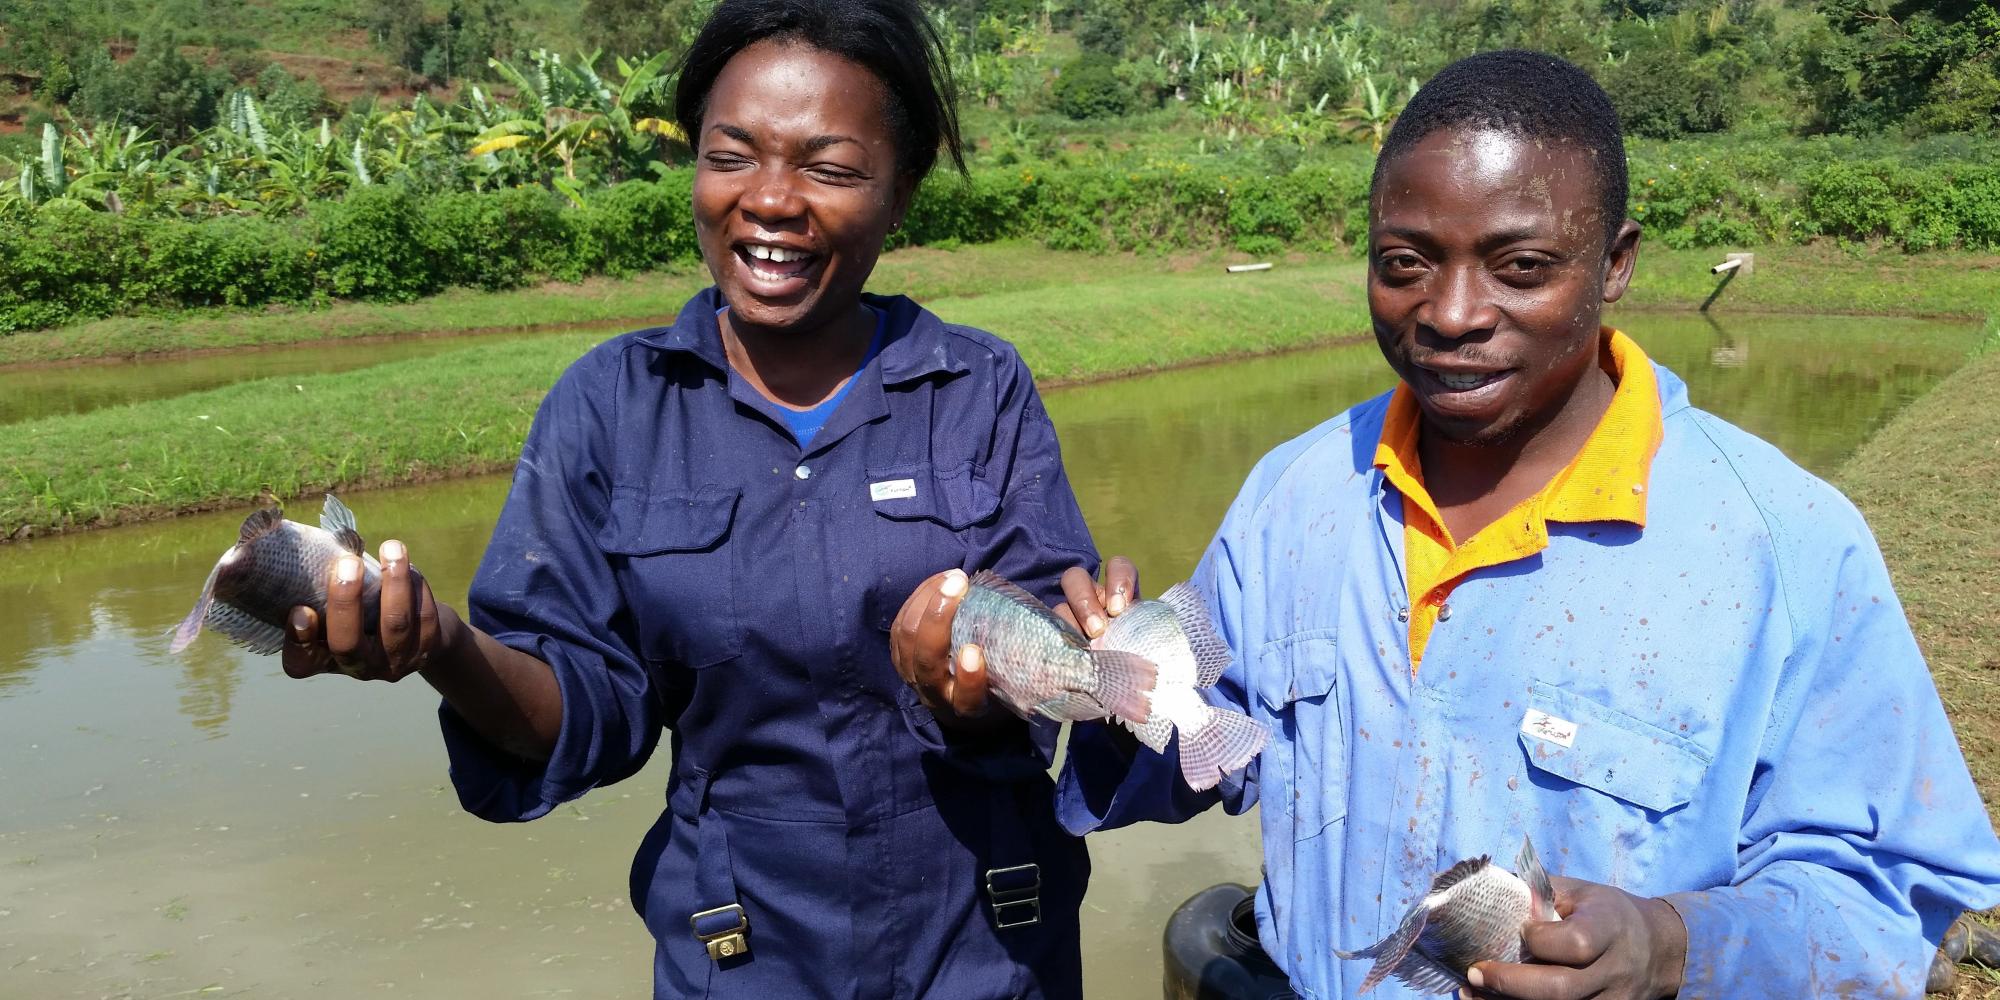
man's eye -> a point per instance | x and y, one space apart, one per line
1525 265
1399 262
724 161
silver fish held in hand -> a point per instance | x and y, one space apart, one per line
1143 672
1474 912
1177 634
275 566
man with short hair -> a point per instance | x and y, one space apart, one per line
1535 592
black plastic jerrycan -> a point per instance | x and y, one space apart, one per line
1212 952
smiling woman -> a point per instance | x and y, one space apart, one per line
711 533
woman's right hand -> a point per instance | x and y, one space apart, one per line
952 682
411 625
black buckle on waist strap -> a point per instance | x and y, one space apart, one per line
724 930
1016 895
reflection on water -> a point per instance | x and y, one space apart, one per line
176 823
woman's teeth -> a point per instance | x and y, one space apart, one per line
776 255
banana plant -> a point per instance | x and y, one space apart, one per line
1372 116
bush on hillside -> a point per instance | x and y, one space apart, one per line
1090 87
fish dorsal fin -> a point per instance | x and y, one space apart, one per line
261 522
1460 872
339 521
1211 654
989 580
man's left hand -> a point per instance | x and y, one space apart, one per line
1609 944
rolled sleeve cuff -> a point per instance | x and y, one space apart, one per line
500 787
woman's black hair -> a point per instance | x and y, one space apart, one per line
892 39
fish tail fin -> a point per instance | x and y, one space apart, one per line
1390 952
1528 865
190 627
1124 683
1211 654
1226 741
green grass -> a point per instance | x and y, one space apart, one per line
924 274
1929 483
466 411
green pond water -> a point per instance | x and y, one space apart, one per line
203 826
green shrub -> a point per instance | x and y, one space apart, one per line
1090 87
641 226
370 246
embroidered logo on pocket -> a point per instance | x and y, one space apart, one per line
892 489
1543 726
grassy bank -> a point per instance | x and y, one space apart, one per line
466 411
922 273
1929 483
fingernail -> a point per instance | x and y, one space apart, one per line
1095 626
954 583
347 570
1475 977
393 551
967 662
301 621
1117 604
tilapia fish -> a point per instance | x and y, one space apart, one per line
275 566
1176 633
1143 671
1475 912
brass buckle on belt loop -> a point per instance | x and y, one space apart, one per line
1016 887
723 942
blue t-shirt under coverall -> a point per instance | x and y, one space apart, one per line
686 567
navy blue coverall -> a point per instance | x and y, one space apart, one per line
684 565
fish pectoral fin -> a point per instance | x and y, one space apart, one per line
1390 952
1528 865
1124 683
339 522
1226 742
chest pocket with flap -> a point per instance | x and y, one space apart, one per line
674 559
1304 770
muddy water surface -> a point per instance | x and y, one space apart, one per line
203 826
